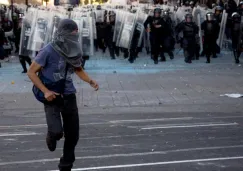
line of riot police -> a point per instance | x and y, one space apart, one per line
130 30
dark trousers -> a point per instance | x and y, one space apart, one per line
70 127
23 60
210 47
189 45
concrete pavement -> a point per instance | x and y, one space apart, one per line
145 117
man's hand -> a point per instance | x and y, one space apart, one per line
50 95
94 85
148 30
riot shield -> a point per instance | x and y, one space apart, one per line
222 29
57 17
118 25
181 12
94 24
42 28
28 23
127 30
141 18
87 39
100 16
200 31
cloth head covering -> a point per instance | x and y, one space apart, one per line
66 42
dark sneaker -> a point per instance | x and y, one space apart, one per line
51 142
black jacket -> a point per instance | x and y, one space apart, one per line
211 29
190 30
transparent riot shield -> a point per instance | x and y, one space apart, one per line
100 16
28 25
141 18
200 31
42 27
222 29
57 17
127 30
87 39
118 26
181 12
92 14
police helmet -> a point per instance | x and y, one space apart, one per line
219 8
210 16
188 18
157 10
236 17
241 4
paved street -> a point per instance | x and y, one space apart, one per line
168 117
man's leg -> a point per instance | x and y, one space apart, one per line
54 125
71 132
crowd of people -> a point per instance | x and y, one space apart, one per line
161 31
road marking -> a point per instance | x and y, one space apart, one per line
190 126
23 126
122 155
151 120
121 121
18 134
156 163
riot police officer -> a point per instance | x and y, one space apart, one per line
110 24
240 8
155 25
236 36
168 40
211 31
218 13
190 30
101 28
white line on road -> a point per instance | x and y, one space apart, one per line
22 126
124 121
18 134
123 155
151 120
157 163
190 126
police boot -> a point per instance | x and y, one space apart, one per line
171 55
237 61
163 59
156 61
214 55
208 59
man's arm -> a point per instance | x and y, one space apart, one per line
32 73
85 77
